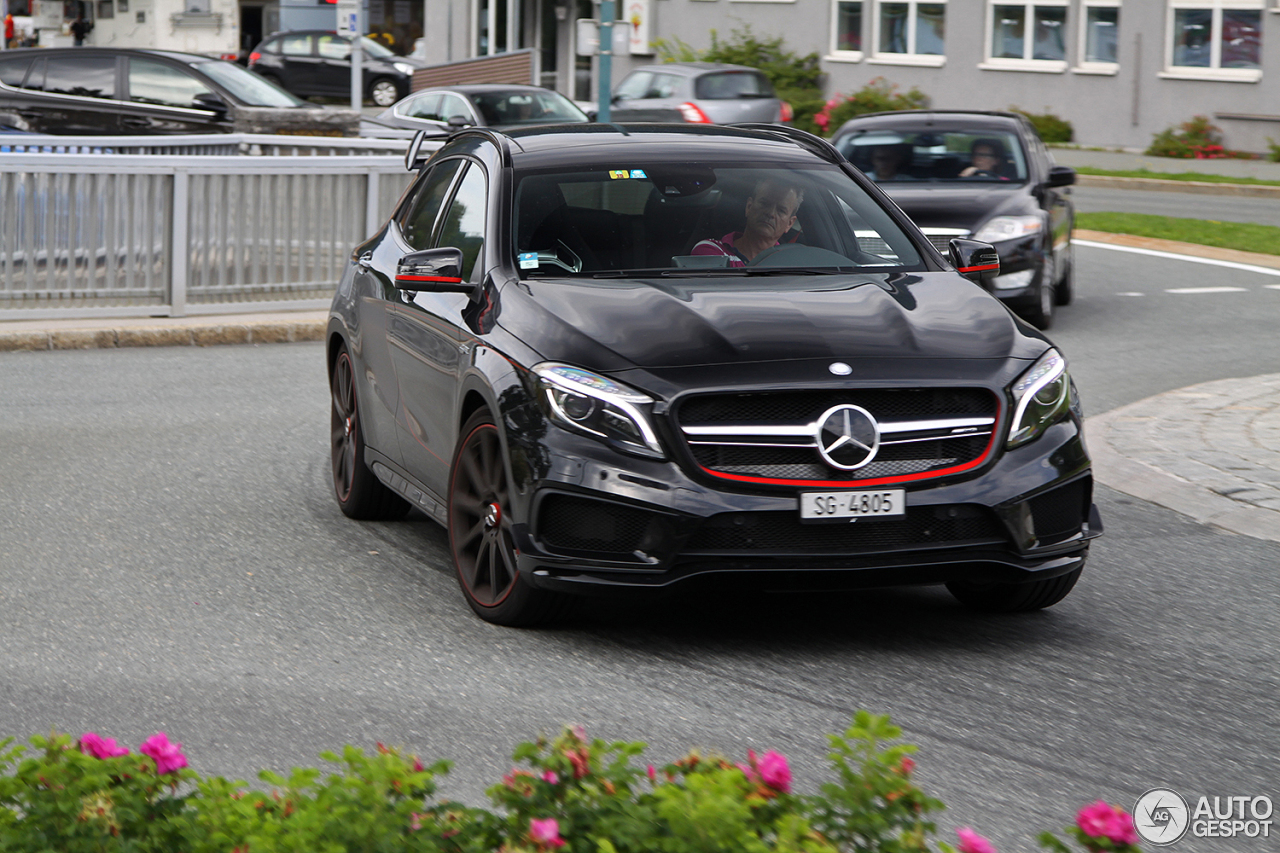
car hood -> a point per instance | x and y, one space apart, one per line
608 324
966 205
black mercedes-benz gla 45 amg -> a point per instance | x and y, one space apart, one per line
613 357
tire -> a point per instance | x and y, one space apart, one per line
1014 597
1040 315
360 494
480 537
384 92
1065 291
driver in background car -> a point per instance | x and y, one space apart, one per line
987 159
770 213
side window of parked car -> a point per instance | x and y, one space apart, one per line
295 45
635 85
152 82
463 226
454 105
664 86
86 76
419 220
424 107
333 47
14 71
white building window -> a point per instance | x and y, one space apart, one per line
1214 40
1027 36
846 30
909 33
1099 37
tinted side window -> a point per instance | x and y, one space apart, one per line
463 226
635 86
295 45
733 84
664 86
272 46
88 76
13 71
152 82
420 217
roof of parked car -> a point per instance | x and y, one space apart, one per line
691 68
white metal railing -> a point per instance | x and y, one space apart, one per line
111 234
218 144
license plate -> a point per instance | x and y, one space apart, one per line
840 506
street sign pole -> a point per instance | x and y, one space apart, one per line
349 25
605 94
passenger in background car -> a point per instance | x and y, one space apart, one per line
770 213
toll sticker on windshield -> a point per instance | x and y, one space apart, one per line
638 173
615 174
528 260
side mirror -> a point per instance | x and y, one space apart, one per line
210 101
1061 176
978 262
434 270
458 122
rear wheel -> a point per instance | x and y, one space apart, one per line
480 532
359 492
1065 290
1014 597
384 92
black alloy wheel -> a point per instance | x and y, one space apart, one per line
359 492
1041 314
480 531
1065 291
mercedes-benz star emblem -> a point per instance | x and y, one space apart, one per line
847 436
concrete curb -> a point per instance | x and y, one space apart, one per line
1162 185
34 335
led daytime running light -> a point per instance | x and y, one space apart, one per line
575 380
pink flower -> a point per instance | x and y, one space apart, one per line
749 772
550 776
415 822
774 772
168 756
1101 820
653 773
907 766
100 747
972 842
546 832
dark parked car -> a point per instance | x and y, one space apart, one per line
697 92
560 348
482 105
1011 195
318 63
109 91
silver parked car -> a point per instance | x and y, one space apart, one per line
699 92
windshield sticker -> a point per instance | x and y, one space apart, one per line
615 174
528 260
638 173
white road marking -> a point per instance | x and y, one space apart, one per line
1136 293
1190 258
1272 286
1206 290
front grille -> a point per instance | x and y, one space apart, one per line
936 526
772 436
570 523
1060 512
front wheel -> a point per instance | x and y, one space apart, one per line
480 532
384 92
1041 314
1014 597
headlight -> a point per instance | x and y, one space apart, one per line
597 406
403 67
1041 397
1007 228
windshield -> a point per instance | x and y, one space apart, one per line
523 107
702 219
245 86
936 155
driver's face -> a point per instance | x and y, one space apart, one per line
772 211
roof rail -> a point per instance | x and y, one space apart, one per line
816 144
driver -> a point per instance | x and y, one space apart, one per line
770 213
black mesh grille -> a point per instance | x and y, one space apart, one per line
805 407
1059 512
782 531
569 523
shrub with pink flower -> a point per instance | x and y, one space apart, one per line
1100 828
546 832
972 842
774 771
168 756
98 746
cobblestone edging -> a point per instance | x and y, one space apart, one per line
1207 451
130 334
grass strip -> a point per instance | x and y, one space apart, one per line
1174 176
1245 237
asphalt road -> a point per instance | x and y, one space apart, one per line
170 559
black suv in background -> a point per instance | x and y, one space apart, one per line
116 91
318 63
629 357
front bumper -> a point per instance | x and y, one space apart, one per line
600 521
